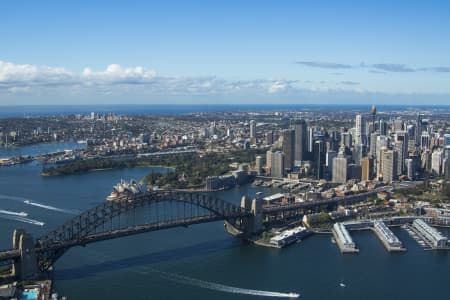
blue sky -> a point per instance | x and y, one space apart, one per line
56 52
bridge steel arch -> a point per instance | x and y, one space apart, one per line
92 225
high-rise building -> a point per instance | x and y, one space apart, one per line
360 130
347 139
339 174
425 140
436 162
367 170
252 129
269 137
258 165
446 167
288 147
319 158
329 157
383 127
269 155
398 124
310 139
301 140
419 129
410 169
277 165
389 161
447 139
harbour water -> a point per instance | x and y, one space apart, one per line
202 261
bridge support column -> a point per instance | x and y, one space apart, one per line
26 266
250 225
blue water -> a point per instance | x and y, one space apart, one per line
37 149
46 110
202 261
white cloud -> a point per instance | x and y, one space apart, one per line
114 73
15 75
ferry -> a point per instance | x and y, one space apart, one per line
126 189
290 236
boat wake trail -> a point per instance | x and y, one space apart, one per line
13 213
36 204
225 288
40 205
22 219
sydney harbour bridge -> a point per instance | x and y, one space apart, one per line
151 211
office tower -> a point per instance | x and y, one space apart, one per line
360 130
436 162
398 124
288 147
277 165
367 168
425 141
389 165
331 154
347 139
319 158
301 139
383 127
339 174
383 143
373 112
418 129
269 137
358 153
310 139
446 167
410 168
446 139
373 144
252 129
258 165
399 147
269 154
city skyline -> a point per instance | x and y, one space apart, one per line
291 52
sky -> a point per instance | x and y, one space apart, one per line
224 52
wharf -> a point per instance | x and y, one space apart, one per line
344 249
386 244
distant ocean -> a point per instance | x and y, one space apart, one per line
53 110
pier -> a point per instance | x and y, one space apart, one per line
387 237
343 239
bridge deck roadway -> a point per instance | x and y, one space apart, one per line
9 254
129 231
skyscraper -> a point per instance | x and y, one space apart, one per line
288 147
319 158
340 167
252 129
277 165
389 161
360 130
301 139
367 170
418 129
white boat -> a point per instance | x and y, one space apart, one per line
342 284
27 202
293 295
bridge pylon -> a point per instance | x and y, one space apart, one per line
250 225
26 266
